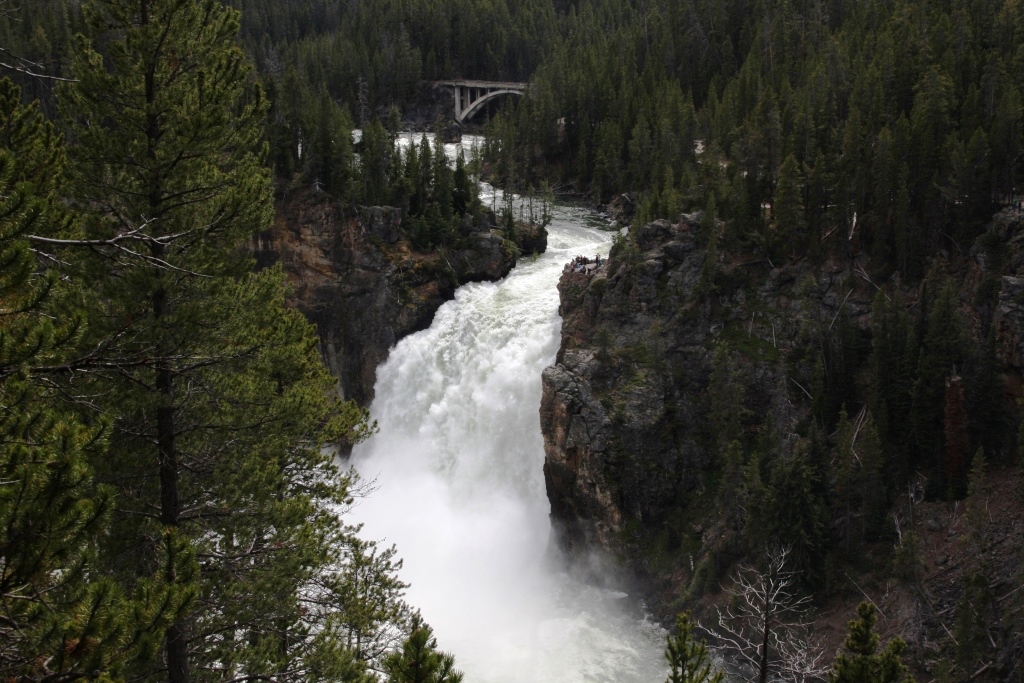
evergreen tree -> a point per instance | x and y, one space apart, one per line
793 512
367 610
377 154
977 611
220 407
891 377
940 355
985 390
709 228
875 489
726 410
464 196
59 620
419 660
788 209
956 439
848 475
976 505
862 662
688 657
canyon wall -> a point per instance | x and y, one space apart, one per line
632 466
363 285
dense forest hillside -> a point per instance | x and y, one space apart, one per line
687 434
894 128
830 330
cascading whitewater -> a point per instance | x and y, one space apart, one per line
458 466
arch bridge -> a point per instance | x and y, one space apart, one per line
471 96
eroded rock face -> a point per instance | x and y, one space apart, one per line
362 285
624 411
618 441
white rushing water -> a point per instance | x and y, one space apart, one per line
460 488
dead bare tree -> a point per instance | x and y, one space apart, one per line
764 625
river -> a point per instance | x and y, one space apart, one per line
460 488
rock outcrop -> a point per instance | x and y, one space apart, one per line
630 460
363 285
623 410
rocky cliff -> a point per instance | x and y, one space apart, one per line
624 409
363 285
634 462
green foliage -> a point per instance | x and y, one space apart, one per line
791 512
419 660
58 617
956 438
875 491
941 353
861 661
726 410
329 163
899 147
709 227
976 505
845 122
824 130
984 388
226 528
892 365
688 657
788 210
847 472
976 614
906 561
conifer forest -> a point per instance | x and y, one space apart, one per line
799 375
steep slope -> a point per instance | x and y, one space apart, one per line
686 389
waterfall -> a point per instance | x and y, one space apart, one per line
457 466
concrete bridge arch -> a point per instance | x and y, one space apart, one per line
471 96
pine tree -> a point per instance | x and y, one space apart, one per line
862 662
788 209
976 505
377 157
709 229
875 489
726 410
464 196
220 407
891 376
419 660
794 512
940 355
688 657
848 475
956 438
58 619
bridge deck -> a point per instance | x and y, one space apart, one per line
503 85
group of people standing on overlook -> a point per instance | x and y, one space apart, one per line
582 264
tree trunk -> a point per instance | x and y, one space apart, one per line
170 506
765 633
